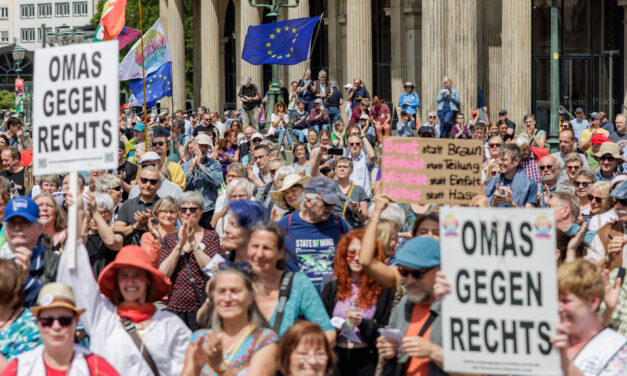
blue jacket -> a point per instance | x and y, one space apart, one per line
414 102
524 190
207 181
454 101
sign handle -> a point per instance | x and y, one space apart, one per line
70 243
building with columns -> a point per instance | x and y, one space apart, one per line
497 50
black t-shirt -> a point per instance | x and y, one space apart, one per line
334 99
127 215
99 255
210 131
128 173
17 182
615 136
249 92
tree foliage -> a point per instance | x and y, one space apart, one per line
7 99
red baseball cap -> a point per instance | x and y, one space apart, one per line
599 138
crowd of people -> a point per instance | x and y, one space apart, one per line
227 245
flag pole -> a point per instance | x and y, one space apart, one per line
141 34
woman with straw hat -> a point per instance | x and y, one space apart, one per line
288 197
610 159
57 318
122 320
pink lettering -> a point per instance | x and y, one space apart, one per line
403 147
404 178
402 193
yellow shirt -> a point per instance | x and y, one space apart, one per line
587 134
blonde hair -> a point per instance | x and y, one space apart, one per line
581 278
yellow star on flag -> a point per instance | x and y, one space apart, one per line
271 36
279 57
288 55
291 49
150 80
273 55
160 76
287 28
294 40
148 85
269 52
268 44
293 30
278 30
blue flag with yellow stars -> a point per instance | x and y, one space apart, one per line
158 85
284 42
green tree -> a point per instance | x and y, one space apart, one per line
7 99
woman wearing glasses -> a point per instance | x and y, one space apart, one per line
184 254
584 178
239 341
165 213
432 122
121 317
361 301
305 351
460 129
598 195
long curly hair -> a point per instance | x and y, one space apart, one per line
369 290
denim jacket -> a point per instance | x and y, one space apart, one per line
454 101
207 181
414 102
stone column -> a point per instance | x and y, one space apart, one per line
517 59
209 55
413 58
295 72
461 64
493 84
435 53
248 16
399 53
335 40
359 41
171 11
197 75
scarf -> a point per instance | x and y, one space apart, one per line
136 312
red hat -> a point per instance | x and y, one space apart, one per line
474 112
599 138
133 255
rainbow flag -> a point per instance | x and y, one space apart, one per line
112 20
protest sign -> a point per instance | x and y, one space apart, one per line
430 170
75 108
503 306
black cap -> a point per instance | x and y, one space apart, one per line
503 112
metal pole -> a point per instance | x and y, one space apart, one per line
555 103
141 33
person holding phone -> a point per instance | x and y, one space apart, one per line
353 205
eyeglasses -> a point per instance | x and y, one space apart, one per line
418 274
547 167
158 143
355 144
64 321
573 167
597 199
241 266
495 145
118 188
188 210
606 158
151 181
584 184
351 253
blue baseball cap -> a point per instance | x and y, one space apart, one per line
325 187
140 127
620 192
422 252
23 207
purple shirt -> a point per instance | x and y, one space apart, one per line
343 305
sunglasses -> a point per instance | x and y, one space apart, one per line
64 321
495 145
597 199
622 201
158 143
607 159
417 274
431 117
118 188
151 181
188 210
547 167
573 167
355 144
584 184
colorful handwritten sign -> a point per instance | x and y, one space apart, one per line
429 170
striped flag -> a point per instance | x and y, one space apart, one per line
112 20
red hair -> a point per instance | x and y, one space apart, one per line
369 290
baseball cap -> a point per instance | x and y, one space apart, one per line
503 112
579 109
55 294
149 156
257 135
23 207
325 187
348 86
419 253
620 192
140 127
598 139
595 116
203 139
161 131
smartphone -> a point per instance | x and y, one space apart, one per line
336 151
325 170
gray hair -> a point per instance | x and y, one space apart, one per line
106 182
241 182
512 150
393 212
587 173
5 184
521 140
246 79
103 201
238 168
308 196
194 197
282 172
571 200
153 169
52 178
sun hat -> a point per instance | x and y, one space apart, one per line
609 148
409 83
56 295
149 156
419 253
133 255
203 139
22 206
325 187
278 197
256 135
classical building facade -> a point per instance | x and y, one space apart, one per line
494 51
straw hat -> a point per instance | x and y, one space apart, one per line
54 295
278 197
133 255
609 148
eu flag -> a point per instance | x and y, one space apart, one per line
284 42
158 85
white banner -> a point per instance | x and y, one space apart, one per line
156 53
503 307
75 108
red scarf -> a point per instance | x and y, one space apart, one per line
136 312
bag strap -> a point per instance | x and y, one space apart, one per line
427 324
350 192
132 331
289 222
403 361
339 223
192 280
284 295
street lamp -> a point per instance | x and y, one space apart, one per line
18 55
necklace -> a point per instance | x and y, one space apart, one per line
8 319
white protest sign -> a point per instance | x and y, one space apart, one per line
75 108
503 306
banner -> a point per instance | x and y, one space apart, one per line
156 53
112 20
75 108
431 170
503 306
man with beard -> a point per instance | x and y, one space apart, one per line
417 315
